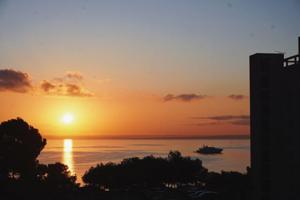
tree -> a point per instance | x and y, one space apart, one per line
20 145
184 169
146 172
57 176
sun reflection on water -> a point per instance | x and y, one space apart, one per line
68 154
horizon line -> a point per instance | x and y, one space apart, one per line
149 137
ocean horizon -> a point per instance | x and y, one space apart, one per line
81 154
146 137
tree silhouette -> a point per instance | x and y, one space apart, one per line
20 145
184 169
146 172
56 176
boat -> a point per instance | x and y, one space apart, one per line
209 150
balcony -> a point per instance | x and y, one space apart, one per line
291 60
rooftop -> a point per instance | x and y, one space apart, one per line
293 60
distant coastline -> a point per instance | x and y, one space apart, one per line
156 137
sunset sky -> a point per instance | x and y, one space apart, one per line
95 68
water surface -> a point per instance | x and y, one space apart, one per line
80 155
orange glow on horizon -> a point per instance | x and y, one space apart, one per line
94 117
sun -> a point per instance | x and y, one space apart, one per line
67 118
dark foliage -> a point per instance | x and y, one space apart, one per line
55 176
230 185
21 175
20 145
145 172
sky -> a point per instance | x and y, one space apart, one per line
137 67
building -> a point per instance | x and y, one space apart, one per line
275 126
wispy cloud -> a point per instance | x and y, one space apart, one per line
184 97
224 117
205 123
241 120
15 81
237 97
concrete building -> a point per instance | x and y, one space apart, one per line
275 126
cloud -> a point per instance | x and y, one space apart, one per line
61 87
16 81
74 75
224 117
237 97
206 123
77 90
241 120
68 85
47 86
183 97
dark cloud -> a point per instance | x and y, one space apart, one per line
237 96
64 89
184 97
242 120
16 81
76 90
206 123
47 86
226 117
68 85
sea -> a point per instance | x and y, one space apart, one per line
80 154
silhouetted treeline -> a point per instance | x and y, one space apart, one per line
174 172
174 177
146 172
